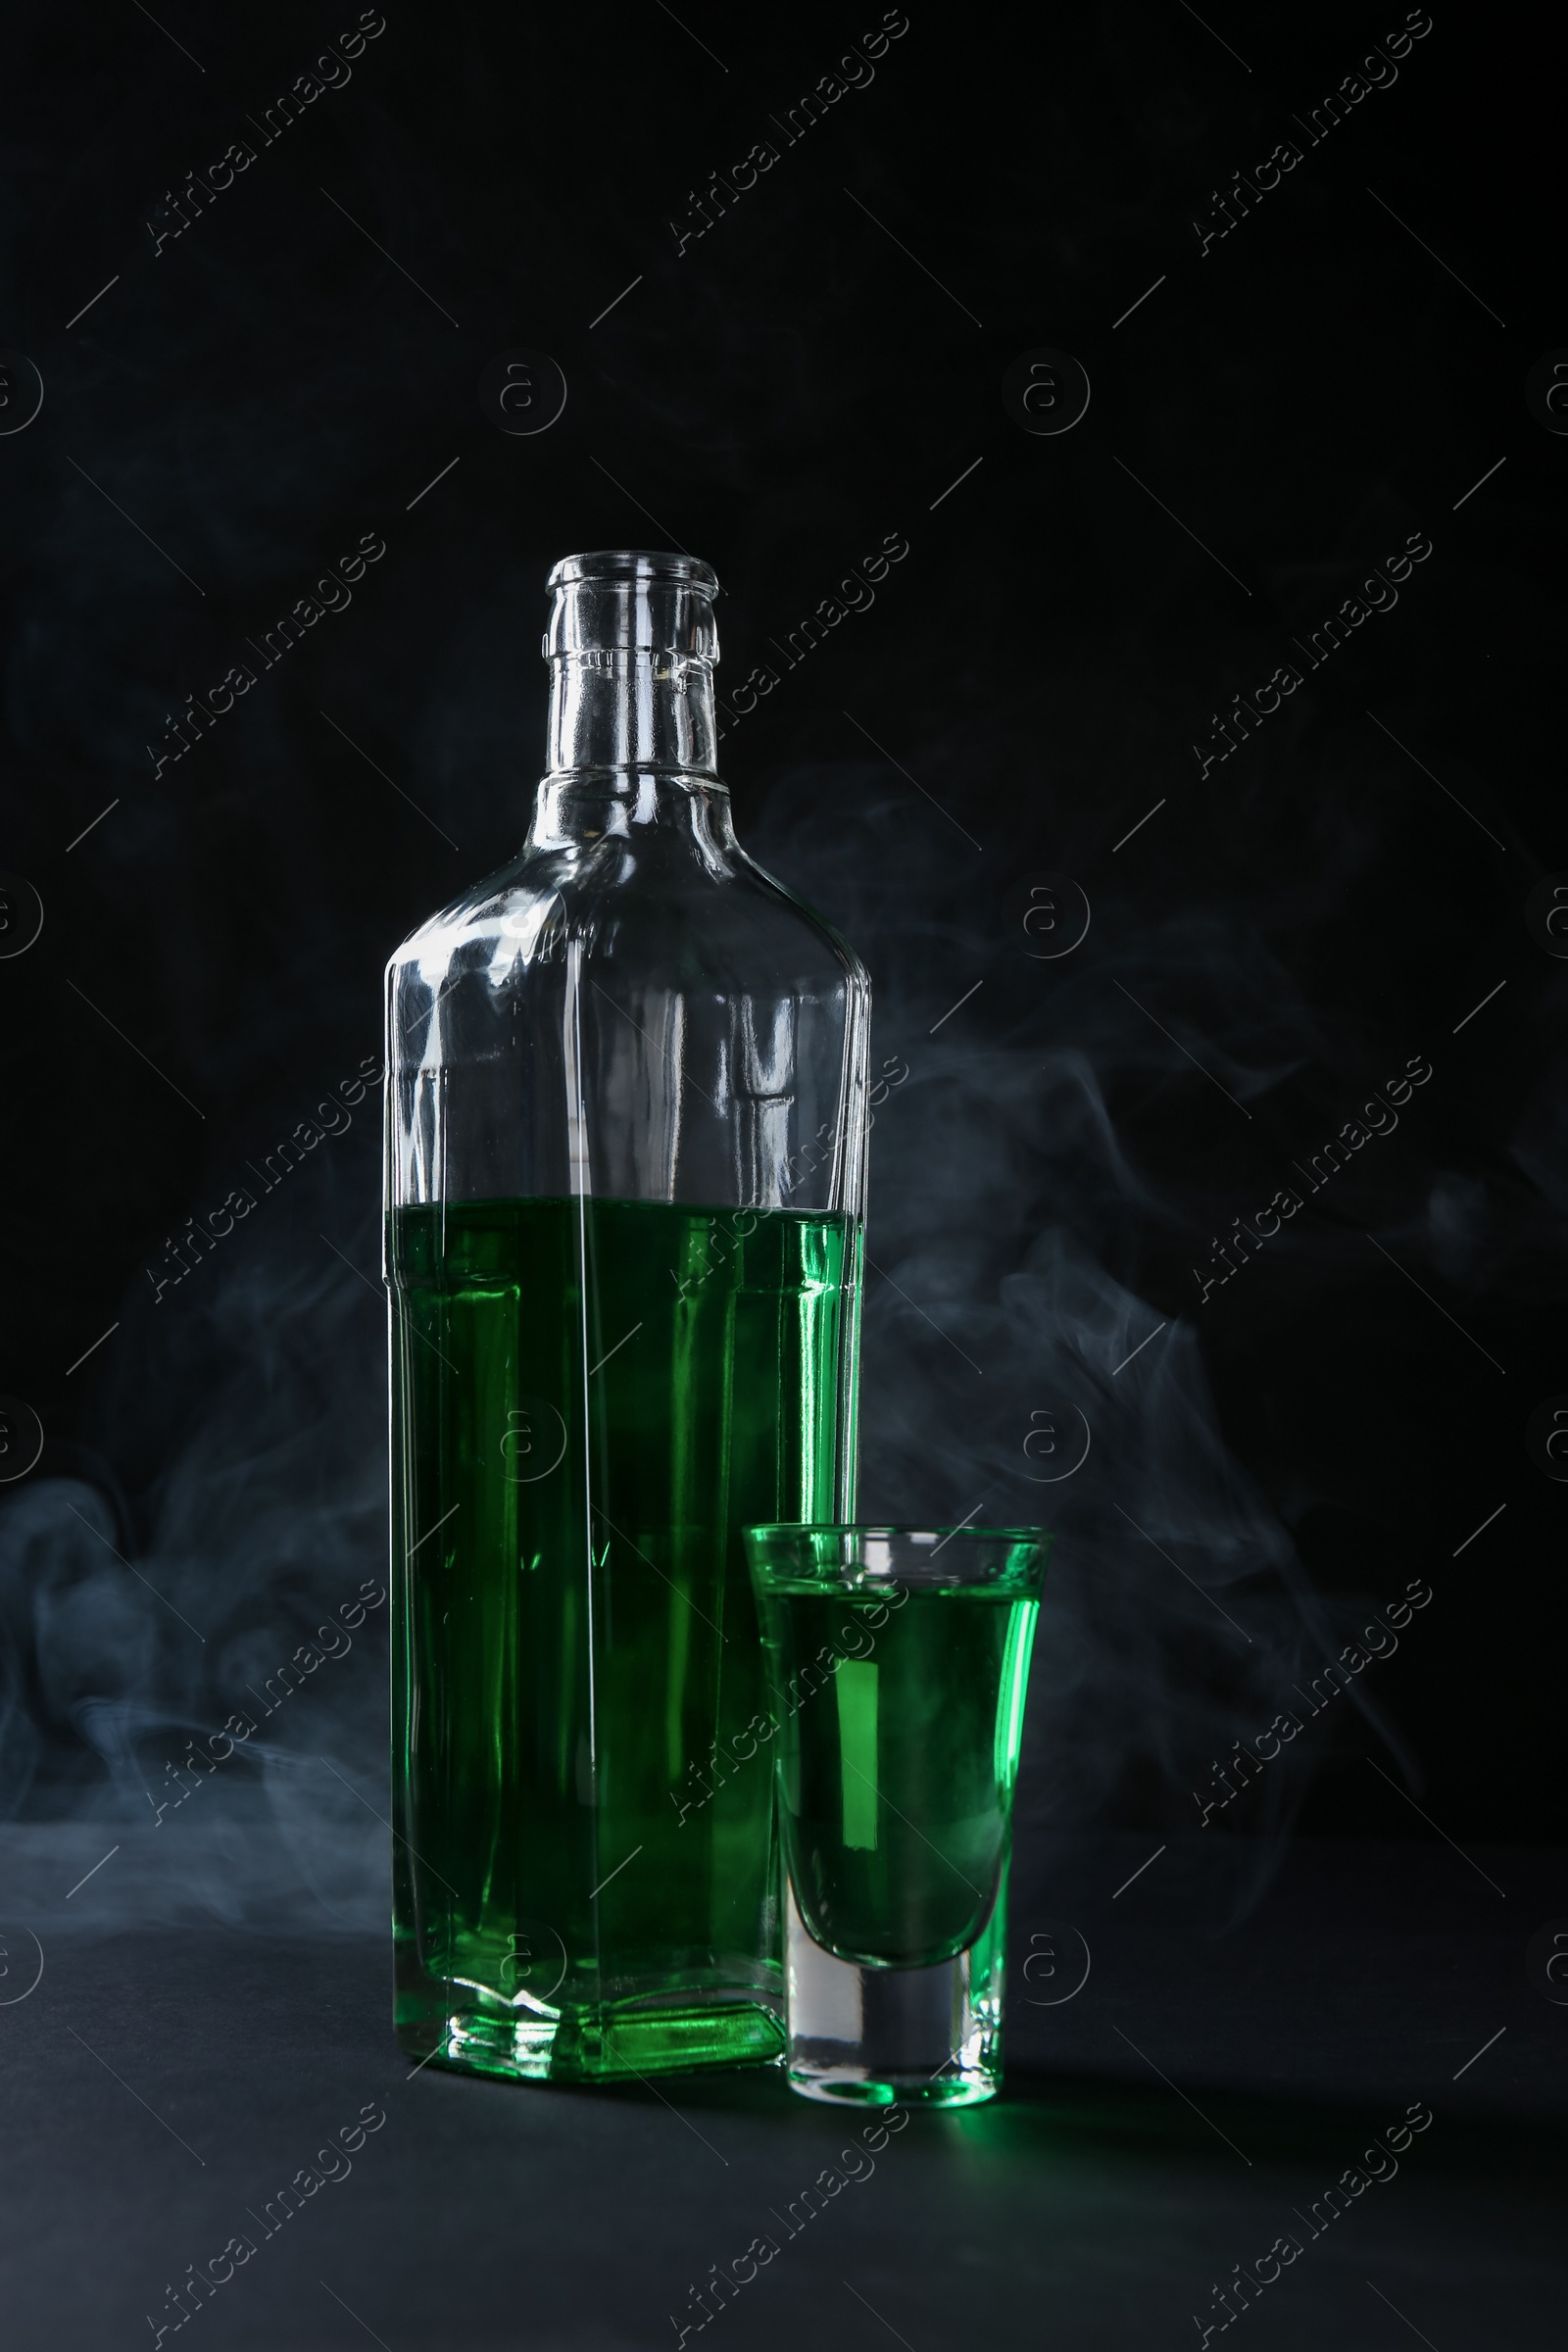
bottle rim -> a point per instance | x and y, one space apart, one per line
635 563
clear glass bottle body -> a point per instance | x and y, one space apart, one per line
625 1189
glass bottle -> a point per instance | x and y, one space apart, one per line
625 1178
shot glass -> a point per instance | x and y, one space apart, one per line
896 1660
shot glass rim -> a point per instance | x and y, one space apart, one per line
764 1567
889 1527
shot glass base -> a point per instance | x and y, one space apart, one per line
918 2036
848 2086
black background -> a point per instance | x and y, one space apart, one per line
1279 939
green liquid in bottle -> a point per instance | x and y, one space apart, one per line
584 1877
898 1734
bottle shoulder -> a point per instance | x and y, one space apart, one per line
720 918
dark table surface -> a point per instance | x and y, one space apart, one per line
1187 2107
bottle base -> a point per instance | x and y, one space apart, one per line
601 2043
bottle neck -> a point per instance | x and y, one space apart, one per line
631 712
668 816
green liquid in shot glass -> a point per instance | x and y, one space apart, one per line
899 1724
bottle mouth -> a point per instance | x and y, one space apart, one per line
628 600
635 564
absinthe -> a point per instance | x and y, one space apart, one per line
590 1401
